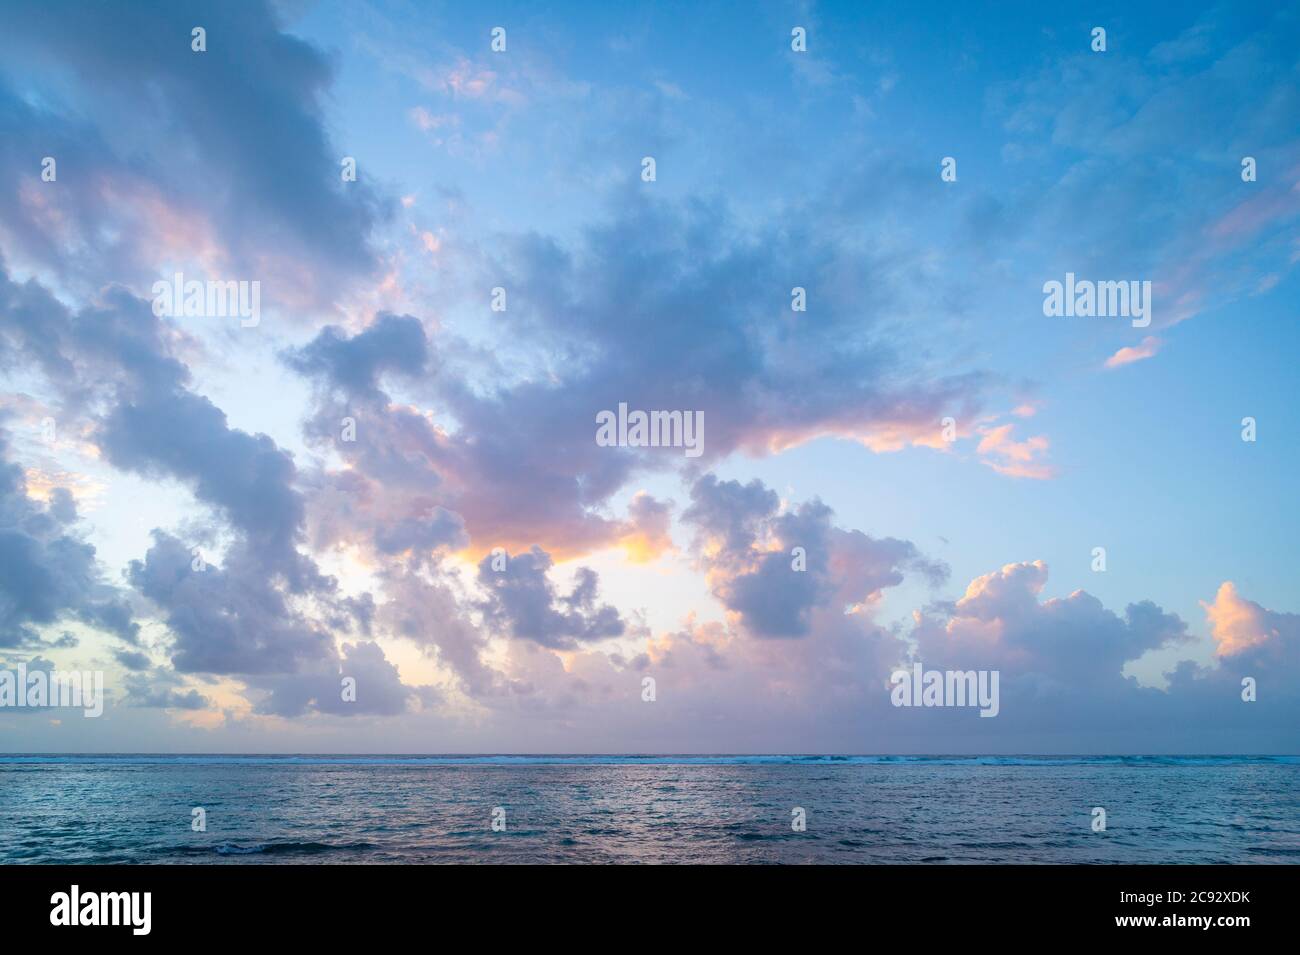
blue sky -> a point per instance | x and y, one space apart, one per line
521 169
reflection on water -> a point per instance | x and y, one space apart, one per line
881 810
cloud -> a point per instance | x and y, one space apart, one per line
423 444
425 605
650 535
1073 643
229 619
48 572
680 297
378 685
412 485
390 344
1133 353
506 438
1018 459
391 498
133 660
138 118
1096 134
162 689
523 602
1062 664
774 568
1243 629
246 477
114 361
264 611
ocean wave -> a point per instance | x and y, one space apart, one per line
629 760
272 848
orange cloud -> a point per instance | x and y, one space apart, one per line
1236 624
881 436
86 491
648 537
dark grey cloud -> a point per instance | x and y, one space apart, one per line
226 619
676 307
245 616
391 343
776 568
113 361
523 602
48 572
378 686
730 510
391 499
663 306
136 119
133 660
161 689
176 434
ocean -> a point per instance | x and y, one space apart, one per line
650 809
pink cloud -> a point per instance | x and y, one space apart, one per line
1020 459
1134 353
1251 215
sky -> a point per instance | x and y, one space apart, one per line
375 516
